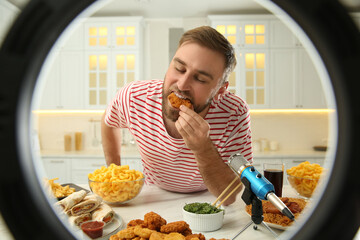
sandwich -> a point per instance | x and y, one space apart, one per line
88 204
103 213
78 220
67 203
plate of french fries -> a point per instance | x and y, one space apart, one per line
61 191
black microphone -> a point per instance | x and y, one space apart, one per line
259 185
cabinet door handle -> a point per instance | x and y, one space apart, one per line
97 165
298 161
57 161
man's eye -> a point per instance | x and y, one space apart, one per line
199 79
180 70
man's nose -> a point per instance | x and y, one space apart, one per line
184 82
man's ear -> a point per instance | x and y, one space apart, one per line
222 90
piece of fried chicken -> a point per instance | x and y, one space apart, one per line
178 226
153 221
176 102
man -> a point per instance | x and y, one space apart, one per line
184 149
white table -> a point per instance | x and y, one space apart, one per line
169 206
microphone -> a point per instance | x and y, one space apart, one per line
259 185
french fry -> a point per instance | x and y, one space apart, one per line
58 190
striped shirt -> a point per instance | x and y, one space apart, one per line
168 162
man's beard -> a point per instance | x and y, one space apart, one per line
173 114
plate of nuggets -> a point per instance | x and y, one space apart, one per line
154 227
274 218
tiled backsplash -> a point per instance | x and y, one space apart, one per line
291 130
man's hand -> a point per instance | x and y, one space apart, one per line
194 129
195 132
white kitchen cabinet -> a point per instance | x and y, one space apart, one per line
283 78
112 50
320 161
81 167
310 90
294 80
281 36
63 87
133 162
57 167
106 72
102 33
49 97
253 70
259 162
243 31
76 169
286 77
249 35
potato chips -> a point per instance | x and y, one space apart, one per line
304 177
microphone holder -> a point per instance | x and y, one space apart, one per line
256 210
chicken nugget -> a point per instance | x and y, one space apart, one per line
136 222
219 239
176 102
178 226
174 236
187 232
143 232
126 233
114 237
154 221
157 236
198 236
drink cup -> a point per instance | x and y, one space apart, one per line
274 172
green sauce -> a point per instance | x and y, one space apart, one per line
201 208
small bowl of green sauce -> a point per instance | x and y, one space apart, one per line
203 217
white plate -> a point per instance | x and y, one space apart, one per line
111 228
273 225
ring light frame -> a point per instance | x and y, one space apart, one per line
23 203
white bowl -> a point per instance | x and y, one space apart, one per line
204 222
